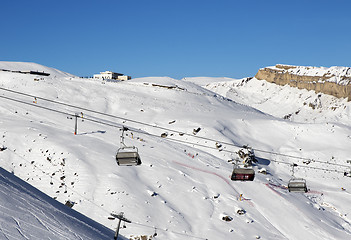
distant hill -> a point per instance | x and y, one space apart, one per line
13 67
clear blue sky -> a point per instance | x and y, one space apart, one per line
175 38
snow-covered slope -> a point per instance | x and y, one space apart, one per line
11 67
27 213
284 101
183 189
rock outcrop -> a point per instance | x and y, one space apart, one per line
334 81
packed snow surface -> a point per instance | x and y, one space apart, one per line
185 132
27 213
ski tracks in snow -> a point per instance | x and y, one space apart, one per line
19 229
45 224
6 235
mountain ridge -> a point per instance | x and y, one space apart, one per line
335 81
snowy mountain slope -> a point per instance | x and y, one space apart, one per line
27 213
284 101
11 67
183 188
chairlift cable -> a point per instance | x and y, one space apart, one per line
150 125
301 158
171 139
120 126
323 169
35 105
303 166
154 135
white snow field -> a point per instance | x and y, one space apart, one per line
27 213
182 189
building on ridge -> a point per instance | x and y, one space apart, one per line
112 75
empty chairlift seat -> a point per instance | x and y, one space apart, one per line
128 156
243 174
297 185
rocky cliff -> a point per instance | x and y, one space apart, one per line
335 81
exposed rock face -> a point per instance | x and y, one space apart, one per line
334 81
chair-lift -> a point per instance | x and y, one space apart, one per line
296 184
127 155
242 174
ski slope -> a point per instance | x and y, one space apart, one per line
182 189
27 213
